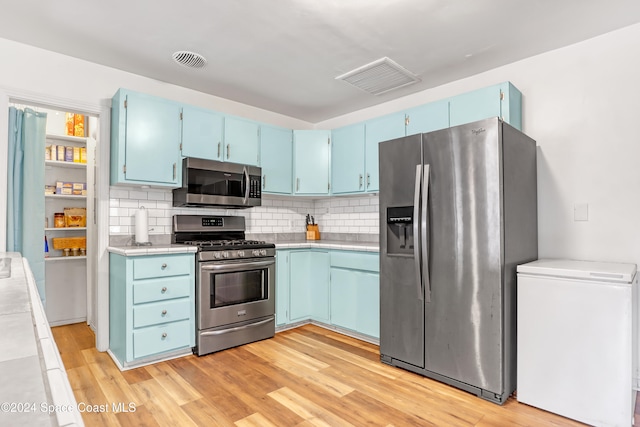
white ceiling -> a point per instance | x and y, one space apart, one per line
284 55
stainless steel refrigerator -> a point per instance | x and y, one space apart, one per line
458 213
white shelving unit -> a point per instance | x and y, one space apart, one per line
66 277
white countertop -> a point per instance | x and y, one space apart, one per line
151 250
330 244
34 380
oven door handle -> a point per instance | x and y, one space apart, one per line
237 328
235 266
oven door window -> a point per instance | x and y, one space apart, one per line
238 287
216 183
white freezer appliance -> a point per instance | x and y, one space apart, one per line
576 339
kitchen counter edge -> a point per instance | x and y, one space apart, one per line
329 244
151 250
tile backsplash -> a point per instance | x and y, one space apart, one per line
345 215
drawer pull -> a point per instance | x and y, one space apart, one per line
164 312
164 289
164 266
164 335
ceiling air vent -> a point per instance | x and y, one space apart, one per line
189 59
379 76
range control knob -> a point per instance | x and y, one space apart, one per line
225 254
240 254
263 252
217 255
255 252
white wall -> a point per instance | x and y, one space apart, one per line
582 106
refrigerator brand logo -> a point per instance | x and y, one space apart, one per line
478 131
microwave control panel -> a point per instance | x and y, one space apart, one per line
255 187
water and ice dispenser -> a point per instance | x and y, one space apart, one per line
400 230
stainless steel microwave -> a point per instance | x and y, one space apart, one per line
213 183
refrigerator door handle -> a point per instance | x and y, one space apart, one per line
416 229
424 237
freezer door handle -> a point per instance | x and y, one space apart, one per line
424 237
416 229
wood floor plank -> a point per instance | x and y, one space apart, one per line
173 384
310 411
87 392
308 376
373 365
163 408
255 420
133 376
307 371
108 377
204 413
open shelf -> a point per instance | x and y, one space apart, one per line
62 164
64 228
64 258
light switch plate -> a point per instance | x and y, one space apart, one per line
581 212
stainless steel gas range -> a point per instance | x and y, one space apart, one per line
235 281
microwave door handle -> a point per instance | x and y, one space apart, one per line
416 230
247 182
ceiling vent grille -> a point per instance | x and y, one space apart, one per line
379 76
189 59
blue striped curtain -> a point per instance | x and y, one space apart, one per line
25 189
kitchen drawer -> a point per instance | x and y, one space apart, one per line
161 338
161 312
162 266
162 289
356 260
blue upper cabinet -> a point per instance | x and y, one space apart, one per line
347 159
377 130
276 159
311 150
428 117
241 141
145 140
501 100
201 133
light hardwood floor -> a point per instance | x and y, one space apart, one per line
308 376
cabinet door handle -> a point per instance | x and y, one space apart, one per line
368 180
219 149
164 266
164 312
264 181
228 151
174 171
297 184
360 182
164 289
164 335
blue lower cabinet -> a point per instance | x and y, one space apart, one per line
339 288
282 286
309 286
151 306
344 298
368 313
